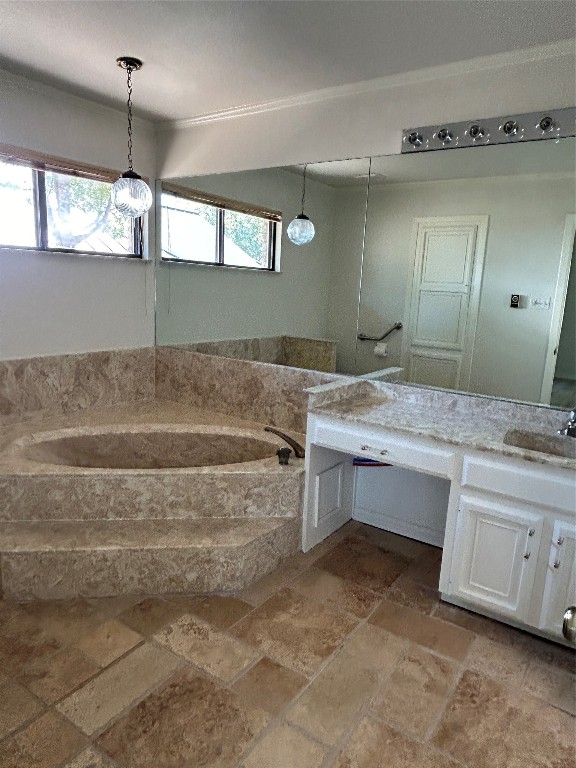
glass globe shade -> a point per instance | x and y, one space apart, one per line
300 230
131 196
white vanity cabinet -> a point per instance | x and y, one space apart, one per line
510 538
510 541
495 555
331 445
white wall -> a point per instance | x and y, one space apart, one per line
367 119
202 303
55 304
525 231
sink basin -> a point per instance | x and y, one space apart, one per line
554 445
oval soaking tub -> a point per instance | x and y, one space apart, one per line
142 509
148 448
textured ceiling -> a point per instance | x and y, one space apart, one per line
202 57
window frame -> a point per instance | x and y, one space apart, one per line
223 204
40 163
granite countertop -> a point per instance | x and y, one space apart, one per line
475 423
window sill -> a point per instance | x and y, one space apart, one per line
77 254
204 265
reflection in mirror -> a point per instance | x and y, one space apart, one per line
472 251
311 293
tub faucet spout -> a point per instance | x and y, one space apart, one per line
299 451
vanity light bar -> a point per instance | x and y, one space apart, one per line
533 126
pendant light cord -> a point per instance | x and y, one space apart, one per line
304 188
129 70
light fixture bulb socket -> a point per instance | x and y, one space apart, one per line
130 174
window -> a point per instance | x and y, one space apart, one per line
49 205
203 229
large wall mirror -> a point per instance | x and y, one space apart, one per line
312 293
470 249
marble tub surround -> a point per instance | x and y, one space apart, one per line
46 491
474 422
88 531
43 386
66 559
223 682
313 354
257 391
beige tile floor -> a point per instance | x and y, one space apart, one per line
341 658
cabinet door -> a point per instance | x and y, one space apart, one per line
495 555
328 493
560 588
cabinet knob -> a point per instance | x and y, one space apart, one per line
556 564
532 531
364 447
383 453
560 541
527 555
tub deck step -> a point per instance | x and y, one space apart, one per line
48 560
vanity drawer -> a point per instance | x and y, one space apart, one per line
413 453
535 484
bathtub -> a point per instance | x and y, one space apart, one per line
127 471
162 446
105 509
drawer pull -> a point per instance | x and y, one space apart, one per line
560 541
532 531
369 448
556 564
527 556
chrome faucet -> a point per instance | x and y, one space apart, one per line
298 449
569 429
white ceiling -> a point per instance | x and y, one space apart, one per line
202 57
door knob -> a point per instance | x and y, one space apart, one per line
569 624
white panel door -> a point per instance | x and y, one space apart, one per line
495 555
444 299
560 589
435 370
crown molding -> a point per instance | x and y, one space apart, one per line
559 49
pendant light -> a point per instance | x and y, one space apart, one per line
301 230
130 195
